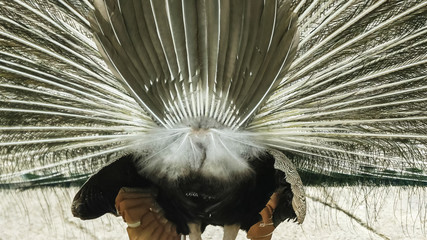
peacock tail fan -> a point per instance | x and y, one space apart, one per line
340 87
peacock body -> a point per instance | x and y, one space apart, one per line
214 90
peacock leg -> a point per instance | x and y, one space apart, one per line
230 232
195 231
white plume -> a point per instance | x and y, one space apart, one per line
184 150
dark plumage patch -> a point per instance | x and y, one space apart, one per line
284 209
96 197
194 199
212 202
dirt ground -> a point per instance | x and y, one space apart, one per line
333 213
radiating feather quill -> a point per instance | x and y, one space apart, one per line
359 107
53 99
352 104
205 29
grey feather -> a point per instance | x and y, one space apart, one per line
354 100
339 87
190 55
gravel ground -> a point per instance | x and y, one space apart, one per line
333 213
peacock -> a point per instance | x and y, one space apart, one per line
211 112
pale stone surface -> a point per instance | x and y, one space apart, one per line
370 213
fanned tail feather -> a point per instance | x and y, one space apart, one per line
351 103
354 100
338 86
62 114
190 59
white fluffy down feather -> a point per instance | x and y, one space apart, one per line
199 146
